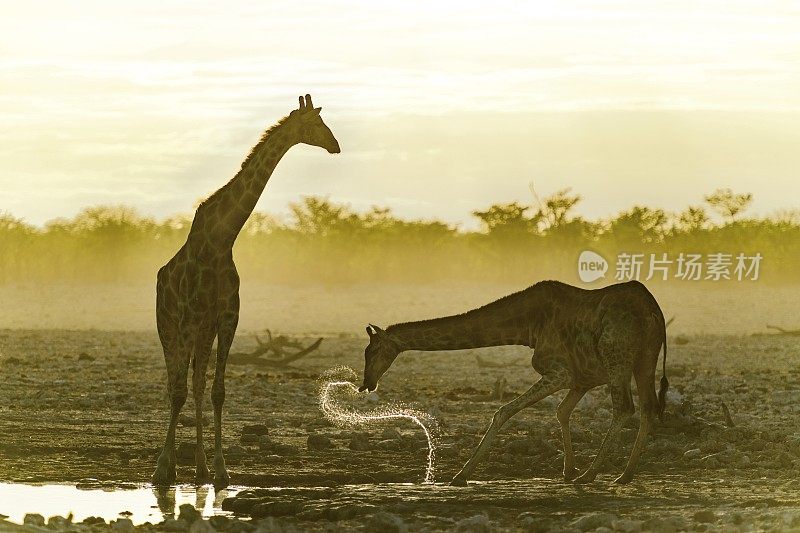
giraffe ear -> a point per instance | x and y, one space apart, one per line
316 110
378 331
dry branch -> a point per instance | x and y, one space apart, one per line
783 331
274 350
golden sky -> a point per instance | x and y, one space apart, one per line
440 107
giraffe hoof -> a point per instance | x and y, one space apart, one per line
584 479
623 479
164 474
221 481
459 481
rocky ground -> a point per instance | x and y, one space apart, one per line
91 404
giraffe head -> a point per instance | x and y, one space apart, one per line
379 355
309 127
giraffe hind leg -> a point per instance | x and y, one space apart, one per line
648 409
202 354
622 408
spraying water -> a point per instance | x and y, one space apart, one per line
336 379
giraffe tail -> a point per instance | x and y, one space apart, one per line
664 385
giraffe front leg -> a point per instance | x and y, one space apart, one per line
177 367
165 467
563 413
541 389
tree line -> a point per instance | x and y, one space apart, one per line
325 242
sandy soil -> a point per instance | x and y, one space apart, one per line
92 404
727 308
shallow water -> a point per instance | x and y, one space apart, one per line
140 503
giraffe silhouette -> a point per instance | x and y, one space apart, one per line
581 339
197 291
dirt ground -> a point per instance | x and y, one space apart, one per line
92 404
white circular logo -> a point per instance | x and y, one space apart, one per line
591 266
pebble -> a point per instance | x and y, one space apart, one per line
255 429
170 524
593 521
384 522
474 524
692 454
391 433
319 442
59 522
201 526
33 519
359 442
185 453
122 524
706 516
626 526
188 513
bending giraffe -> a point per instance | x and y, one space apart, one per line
197 291
581 339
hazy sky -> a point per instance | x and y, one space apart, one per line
440 107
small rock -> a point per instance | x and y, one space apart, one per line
33 519
706 516
319 442
185 453
692 454
201 526
187 421
188 513
359 442
255 429
627 526
593 521
280 508
474 524
384 522
122 524
249 438
59 522
219 522
391 433
170 524
236 451
531 523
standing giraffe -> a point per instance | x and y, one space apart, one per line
197 291
581 339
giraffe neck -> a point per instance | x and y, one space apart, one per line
221 216
501 323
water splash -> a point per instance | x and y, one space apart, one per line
336 378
